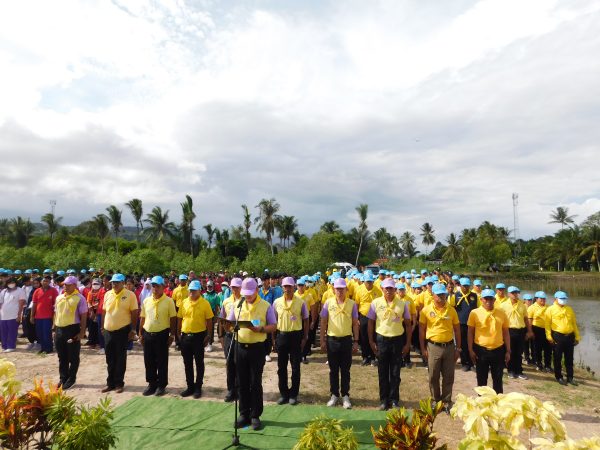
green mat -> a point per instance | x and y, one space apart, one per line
173 423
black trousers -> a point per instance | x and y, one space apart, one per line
250 361
115 348
517 342
156 358
541 345
289 349
192 350
490 361
388 368
465 358
92 327
564 345
28 327
339 355
365 347
529 350
68 353
232 386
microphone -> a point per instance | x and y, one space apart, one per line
242 300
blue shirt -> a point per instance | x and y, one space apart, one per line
269 296
464 305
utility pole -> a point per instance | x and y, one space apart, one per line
52 206
515 199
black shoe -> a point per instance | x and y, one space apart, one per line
68 384
256 425
374 362
409 365
241 422
150 390
466 368
305 360
189 391
107 389
160 392
383 406
539 369
562 381
197 393
395 404
365 362
549 370
229 397
283 400
572 382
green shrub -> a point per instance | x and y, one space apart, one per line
325 433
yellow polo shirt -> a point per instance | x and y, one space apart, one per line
228 303
117 309
364 297
412 308
423 299
289 314
340 317
157 314
307 296
194 314
65 308
180 293
389 317
561 319
439 323
500 300
488 326
256 311
516 313
537 315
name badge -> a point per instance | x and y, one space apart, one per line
396 319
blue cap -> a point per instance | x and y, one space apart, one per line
117 278
408 276
400 286
194 285
8 271
562 295
396 276
300 282
435 278
17 272
527 297
512 289
439 289
368 277
423 271
455 277
60 273
540 294
428 280
477 282
47 271
415 284
83 271
91 269
383 272
28 271
500 286
465 281
71 271
157 280
36 270
183 276
488 293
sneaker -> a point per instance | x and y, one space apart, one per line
383 406
150 390
409 365
346 402
466 368
549 370
189 391
160 392
68 384
333 400
282 401
209 348
268 358
129 352
241 422
10 350
305 360
374 362
522 376
365 362
572 382
539 369
395 404
255 424
293 401
562 381
512 375
37 346
31 346
101 351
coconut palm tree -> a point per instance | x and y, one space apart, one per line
267 216
137 211
210 231
561 215
247 224
222 240
21 231
407 243
427 233
286 227
592 242
330 227
53 224
453 250
381 237
99 225
363 212
187 222
159 226
116 222
4 228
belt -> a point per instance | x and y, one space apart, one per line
339 338
156 333
441 344
381 336
192 334
252 345
289 332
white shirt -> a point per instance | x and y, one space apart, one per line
9 303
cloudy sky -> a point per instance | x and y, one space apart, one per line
425 110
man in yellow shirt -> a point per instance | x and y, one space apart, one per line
477 289
438 328
500 295
339 339
292 333
180 293
226 336
70 317
464 301
401 289
389 326
537 315
194 318
118 327
366 293
313 313
489 341
250 351
519 329
562 332
159 325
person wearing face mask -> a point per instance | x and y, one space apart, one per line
12 304
70 320
562 332
213 300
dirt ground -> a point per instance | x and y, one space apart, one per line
580 405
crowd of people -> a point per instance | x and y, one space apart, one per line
441 316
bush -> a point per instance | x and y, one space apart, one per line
324 433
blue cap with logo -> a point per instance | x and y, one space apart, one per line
477 282
157 280
367 276
194 285
465 281
488 293
561 295
117 278
500 286
512 289
439 289
540 294
527 297
400 286
183 276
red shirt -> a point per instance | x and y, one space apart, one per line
44 301
101 304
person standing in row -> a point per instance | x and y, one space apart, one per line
562 332
12 304
213 300
438 328
537 315
529 345
388 328
519 329
250 352
365 294
194 319
464 301
42 313
70 319
159 325
292 333
226 336
310 300
118 327
489 340
339 339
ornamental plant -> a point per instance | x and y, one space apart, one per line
326 433
406 430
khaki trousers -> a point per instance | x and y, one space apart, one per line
441 361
